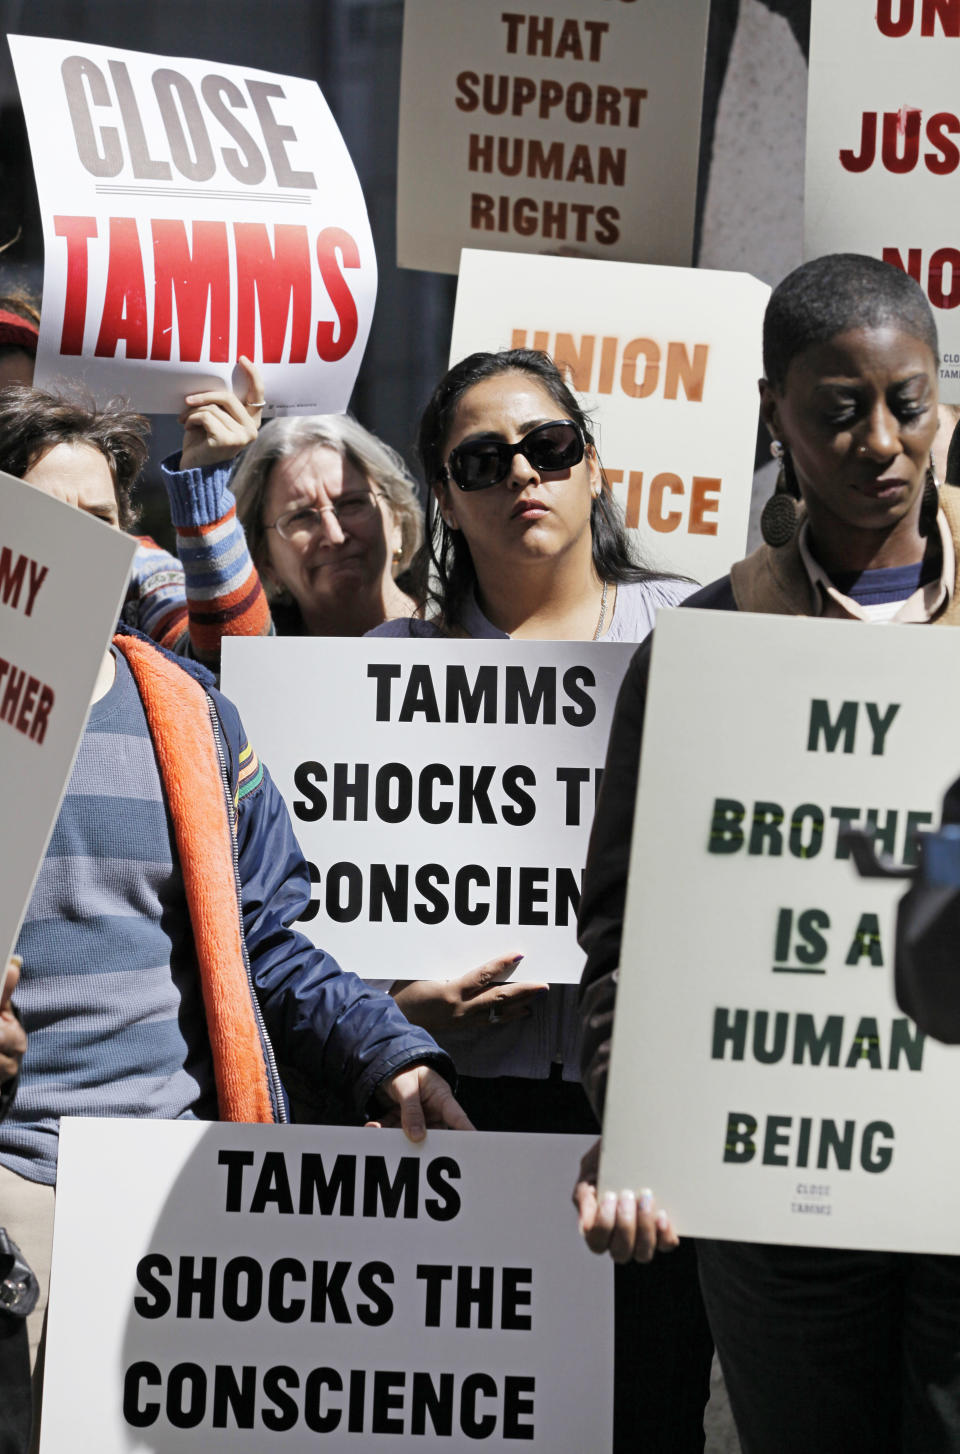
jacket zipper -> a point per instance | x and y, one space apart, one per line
265 1038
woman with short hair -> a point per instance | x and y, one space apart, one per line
840 1351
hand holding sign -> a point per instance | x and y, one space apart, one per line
417 1098
625 1225
13 1040
472 1001
217 424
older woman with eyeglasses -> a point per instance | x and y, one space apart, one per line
331 518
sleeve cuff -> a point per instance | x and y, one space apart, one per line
7 1092
197 496
365 1096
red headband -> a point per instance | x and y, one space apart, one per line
19 332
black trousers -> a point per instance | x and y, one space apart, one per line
15 1397
662 1343
834 1351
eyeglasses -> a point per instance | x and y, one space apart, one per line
298 526
480 463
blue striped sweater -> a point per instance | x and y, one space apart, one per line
109 992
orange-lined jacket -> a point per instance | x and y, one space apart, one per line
246 883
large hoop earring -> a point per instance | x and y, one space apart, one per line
930 502
780 518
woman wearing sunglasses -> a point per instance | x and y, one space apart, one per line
528 542
331 518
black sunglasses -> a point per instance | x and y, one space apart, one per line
480 463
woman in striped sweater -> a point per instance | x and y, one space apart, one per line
212 590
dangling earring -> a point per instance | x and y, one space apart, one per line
778 523
930 503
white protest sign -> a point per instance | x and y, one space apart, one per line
193 212
764 1082
667 362
268 1285
575 130
883 147
63 575
442 791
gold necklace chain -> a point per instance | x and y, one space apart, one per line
603 613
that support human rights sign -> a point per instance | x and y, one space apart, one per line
574 130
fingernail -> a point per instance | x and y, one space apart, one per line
663 1220
210 440
627 1203
517 958
608 1204
646 1200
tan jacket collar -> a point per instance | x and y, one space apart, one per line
776 581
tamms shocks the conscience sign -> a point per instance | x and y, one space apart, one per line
284 1287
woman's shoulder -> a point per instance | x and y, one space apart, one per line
639 601
406 626
669 590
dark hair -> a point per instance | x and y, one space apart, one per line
23 304
951 474
19 324
833 294
448 585
33 421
